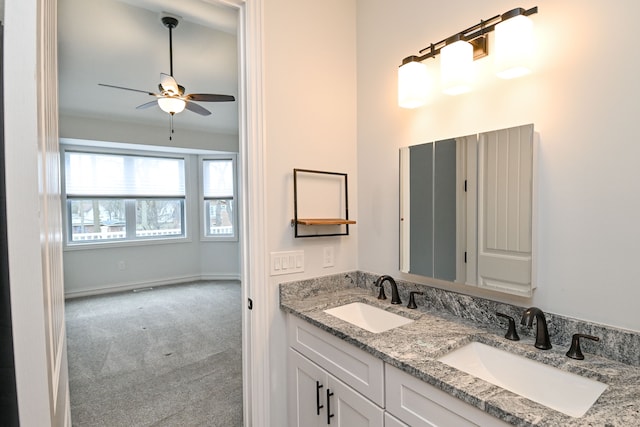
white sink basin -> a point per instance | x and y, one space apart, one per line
563 391
368 317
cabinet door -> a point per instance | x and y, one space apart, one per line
391 421
422 405
307 392
347 408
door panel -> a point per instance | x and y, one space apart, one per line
34 224
51 233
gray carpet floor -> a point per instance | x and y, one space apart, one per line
170 356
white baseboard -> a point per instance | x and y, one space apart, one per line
148 284
215 276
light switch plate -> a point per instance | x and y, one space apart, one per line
286 262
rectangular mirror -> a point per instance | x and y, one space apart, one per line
466 210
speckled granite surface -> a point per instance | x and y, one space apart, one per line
447 321
616 344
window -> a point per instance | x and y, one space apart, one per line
122 197
218 195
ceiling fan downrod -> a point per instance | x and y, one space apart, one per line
170 22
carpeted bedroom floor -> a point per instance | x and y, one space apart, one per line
170 356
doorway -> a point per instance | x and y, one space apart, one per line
162 136
22 124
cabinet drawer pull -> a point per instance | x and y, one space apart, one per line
318 405
329 414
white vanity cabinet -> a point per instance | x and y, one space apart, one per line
332 382
422 405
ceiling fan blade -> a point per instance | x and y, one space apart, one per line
147 105
126 88
169 84
210 97
191 106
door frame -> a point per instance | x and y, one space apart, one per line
254 274
32 376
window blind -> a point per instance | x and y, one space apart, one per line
123 176
218 178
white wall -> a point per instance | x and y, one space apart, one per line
91 270
102 129
582 99
310 112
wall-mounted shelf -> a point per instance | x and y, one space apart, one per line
343 222
324 221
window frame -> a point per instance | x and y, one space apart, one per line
202 215
130 202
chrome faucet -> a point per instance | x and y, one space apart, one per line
395 297
542 333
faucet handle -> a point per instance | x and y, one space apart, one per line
574 351
511 334
412 299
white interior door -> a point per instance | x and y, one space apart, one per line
34 224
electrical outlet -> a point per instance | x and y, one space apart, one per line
327 257
122 265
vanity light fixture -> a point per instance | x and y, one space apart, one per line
514 46
413 84
456 65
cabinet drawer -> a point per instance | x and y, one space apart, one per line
355 367
422 405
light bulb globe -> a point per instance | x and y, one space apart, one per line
171 105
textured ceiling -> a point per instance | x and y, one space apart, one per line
115 42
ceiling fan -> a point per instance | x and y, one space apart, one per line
171 97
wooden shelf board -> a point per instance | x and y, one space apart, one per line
325 221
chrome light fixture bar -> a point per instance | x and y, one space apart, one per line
412 72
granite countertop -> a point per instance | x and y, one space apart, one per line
415 348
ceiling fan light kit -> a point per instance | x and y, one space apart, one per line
171 97
171 105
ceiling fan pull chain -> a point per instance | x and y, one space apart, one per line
170 127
